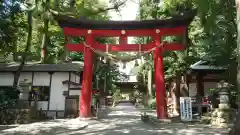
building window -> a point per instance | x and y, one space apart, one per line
42 93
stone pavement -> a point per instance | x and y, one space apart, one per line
122 120
125 119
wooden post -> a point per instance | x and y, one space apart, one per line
200 92
86 93
177 94
159 82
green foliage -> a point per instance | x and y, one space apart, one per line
12 24
117 96
152 103
14 29
8 96
212 34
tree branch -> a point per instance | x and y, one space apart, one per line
116 6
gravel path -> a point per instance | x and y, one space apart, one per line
124 119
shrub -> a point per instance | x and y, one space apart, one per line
152 103
15 116
8 96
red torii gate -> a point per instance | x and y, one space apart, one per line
155 28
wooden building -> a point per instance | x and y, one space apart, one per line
203 76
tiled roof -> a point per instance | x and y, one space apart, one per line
203 65
66 67
175 21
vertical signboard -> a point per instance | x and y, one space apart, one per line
186 108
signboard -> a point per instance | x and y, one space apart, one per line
186 108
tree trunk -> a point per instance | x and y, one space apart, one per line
45 37
28 45
150 83
105 83
106 78
44 42
230 42
236 128
176 95
184 92
172 90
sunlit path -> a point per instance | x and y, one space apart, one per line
123 119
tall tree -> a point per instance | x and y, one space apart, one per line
30 10
236 128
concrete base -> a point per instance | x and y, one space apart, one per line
164 120
85 119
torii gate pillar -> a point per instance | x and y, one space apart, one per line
161 108
86 93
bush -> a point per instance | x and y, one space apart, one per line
15 116
152 103
8 97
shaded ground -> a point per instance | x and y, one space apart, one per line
124 119
51 127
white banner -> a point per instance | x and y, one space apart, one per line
186 108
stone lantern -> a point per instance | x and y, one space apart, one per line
224 92
223 115
25 88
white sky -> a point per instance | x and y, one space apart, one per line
127 12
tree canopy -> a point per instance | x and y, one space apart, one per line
212 34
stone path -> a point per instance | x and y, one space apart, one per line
124 119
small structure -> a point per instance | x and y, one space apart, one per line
52 83
128 84
203 76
